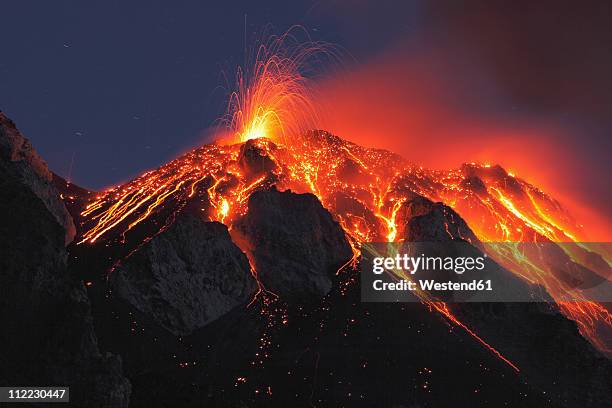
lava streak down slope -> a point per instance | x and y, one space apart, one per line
369 192
304 337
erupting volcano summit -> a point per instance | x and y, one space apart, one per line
228 276
371 193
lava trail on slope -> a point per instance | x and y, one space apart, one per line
368 192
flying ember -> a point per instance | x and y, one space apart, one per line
272 97
271 115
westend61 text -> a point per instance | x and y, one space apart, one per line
431 285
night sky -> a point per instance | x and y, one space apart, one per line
105 90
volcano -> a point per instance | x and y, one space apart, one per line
228 277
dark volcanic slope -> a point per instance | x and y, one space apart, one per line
336 351
47 335
173 296
187 277
297 246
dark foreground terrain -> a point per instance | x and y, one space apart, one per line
175 323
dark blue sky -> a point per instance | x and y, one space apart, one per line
117 87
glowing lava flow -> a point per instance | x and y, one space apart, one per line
365 189
509 211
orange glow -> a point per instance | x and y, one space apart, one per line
272 97
271 114
416 106
365 190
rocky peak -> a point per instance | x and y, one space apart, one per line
296 245
24 163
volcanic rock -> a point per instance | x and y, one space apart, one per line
424 220
296 245
530 331
496 172
254 159
187 276
474 184
330 351
342 204
47 336
32 171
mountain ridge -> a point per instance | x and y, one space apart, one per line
326 348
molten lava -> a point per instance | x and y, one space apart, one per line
364 189
272 96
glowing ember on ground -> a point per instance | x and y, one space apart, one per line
365 189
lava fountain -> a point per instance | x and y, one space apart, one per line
272 96
271 115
